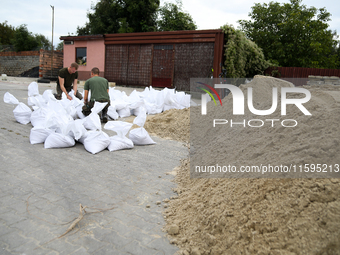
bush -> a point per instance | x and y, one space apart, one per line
242 57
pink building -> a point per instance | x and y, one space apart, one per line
158 59
87 51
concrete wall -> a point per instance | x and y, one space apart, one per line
323 80
95 56
15 63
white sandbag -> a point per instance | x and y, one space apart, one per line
22 113
170 99
76 129
33 89
113 114
151 108
114 94
80 113
124 112
138 110
10 99
183 99
98 107
36 101
139 136
117 95
48 95
120 127
39 134
84 136
96 142
68 107
141 118
119 104
119 141
38 117
92 122
57 140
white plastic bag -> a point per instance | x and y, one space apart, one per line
113 114
119 141
57 140
139 136
39 134
10 99
38 117
22 113
33 89
124 112
96 141
92 122
76 129
97 107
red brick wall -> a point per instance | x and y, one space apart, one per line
45 63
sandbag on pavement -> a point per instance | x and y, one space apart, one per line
139 136
58 140
22 113
96 141
119 141
39 134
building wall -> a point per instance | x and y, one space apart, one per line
95 51
15 63
45 63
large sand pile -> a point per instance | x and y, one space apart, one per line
262 216
315 139
171 124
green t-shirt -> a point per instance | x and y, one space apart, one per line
98 87
68 78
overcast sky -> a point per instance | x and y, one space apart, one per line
68 14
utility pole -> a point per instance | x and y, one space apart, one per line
52 41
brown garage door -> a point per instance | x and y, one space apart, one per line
163 66
128 64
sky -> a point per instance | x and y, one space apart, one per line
68 14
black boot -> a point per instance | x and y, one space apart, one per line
104 115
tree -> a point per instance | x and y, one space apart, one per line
292 34
43 42
60 46
120 16
242 57
173 18
6 33
24 40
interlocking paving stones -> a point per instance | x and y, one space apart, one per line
56 181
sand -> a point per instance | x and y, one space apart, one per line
259 216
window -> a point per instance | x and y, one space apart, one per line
81 56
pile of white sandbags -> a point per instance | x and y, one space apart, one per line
60 123
153 101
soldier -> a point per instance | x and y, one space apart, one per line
68 80
99 87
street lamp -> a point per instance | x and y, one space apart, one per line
52 41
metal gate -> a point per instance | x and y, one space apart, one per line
163 66
128 64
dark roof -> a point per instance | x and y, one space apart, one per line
81 37
183 36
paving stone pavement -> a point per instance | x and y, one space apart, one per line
41 189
